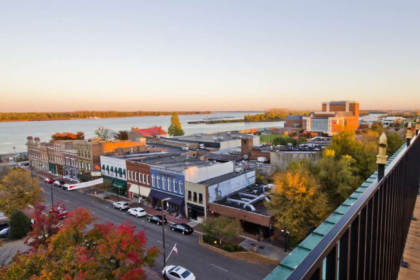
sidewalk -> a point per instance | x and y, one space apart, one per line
264 249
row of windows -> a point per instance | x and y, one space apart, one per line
138 177
193 198
71 162
84 166
167 184
83 153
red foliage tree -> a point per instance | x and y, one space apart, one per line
105 251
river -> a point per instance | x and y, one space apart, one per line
15 133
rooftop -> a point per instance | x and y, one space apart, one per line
216 137
216 180
294 117
151 131
253 195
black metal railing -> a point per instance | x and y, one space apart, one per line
368 241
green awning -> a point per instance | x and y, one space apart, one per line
119 170
119 184
124 172
103 166
112 169
107 168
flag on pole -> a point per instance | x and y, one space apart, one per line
175 249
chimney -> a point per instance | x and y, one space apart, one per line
246 146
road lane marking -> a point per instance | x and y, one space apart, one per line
47 192
162 243
219 267
66 200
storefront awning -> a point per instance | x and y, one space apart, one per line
144 191
119 184
162 195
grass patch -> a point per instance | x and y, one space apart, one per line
228 247
267 138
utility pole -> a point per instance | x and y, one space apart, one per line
163 231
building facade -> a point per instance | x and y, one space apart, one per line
332 119
70 166
114 174
138 178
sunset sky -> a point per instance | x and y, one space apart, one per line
207 55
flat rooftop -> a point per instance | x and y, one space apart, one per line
253 190
222 178
176 162
216 137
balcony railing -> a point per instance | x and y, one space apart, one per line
365 237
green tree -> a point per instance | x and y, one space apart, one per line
297 202
395 141
338 178
19 224
175 129
223 228
302 140
104 133
18 190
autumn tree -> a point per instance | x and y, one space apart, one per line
121 135
82 251
223 228
68 136
175 129
18 190
297 202
104 133
45 224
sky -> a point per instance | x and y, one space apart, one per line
207 55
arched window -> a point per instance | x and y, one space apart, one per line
181 191
140 178
169 184
158 181
153 181
163 183
175 187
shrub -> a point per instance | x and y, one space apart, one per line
19 224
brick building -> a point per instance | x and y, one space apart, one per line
332 119
89 154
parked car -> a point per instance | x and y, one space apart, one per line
182 228
4 232
59 184
185 148
49 180
177 272
157 219
61 213
4 225
137 212
122 205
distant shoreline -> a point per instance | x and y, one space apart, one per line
161 114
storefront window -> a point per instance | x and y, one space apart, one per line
158 182
181 190
195 197
153 181
175 186
189 195
200 198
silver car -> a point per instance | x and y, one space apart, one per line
122 205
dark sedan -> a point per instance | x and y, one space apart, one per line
156 219
182 228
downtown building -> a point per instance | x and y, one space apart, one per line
332 119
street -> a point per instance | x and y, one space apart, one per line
204 263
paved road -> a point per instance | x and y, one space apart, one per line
204 263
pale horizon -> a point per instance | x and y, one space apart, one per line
65 56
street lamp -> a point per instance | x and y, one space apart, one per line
163 231
285 233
